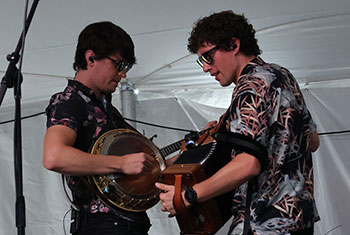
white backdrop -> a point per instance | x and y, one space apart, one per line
310 37
47 204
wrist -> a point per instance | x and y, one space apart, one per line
190 197
185 202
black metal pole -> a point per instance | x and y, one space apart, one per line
12 71
13 77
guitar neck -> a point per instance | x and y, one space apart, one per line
171 148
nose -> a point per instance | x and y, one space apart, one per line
122 73
206 67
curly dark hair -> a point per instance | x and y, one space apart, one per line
219 29
105 39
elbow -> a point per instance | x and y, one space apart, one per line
314 147
49 162
250 165
314 142
256 169
253 167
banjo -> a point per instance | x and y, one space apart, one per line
137 193
130 192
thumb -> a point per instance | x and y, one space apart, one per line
164 187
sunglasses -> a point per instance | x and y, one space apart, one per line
207 57
121 65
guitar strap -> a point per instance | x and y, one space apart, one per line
246 226
118 119
245 144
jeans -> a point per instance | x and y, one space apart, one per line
110 224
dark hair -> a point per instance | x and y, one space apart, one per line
219 29
105 39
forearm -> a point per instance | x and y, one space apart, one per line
69 160
59 155
171 160
241 169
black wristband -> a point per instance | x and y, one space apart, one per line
191 196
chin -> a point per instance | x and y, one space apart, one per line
110 91
224 84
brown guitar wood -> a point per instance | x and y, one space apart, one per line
204 218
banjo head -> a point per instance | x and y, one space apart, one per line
129 192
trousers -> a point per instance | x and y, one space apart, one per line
109 224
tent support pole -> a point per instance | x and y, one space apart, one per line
128 102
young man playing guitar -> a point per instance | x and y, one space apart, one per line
268 109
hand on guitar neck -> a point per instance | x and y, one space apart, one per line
192 139
211 125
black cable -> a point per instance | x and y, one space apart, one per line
150 124
171 128
64 218
334 132
333 229
146 123
22 118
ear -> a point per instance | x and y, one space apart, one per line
89 57
235 45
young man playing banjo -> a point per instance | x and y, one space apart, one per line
79 115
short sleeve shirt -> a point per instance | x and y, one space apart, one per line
78 108
268 106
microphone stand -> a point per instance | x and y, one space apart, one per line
13 78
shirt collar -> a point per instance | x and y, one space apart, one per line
251 64
87 91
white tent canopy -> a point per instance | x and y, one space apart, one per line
309 37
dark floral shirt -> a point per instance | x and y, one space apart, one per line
268 106
78 108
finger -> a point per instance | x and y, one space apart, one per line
163 187
213 124
151 164
148 157
146 168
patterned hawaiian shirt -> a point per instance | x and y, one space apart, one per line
268 106
78 108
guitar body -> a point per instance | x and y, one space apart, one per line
194 166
